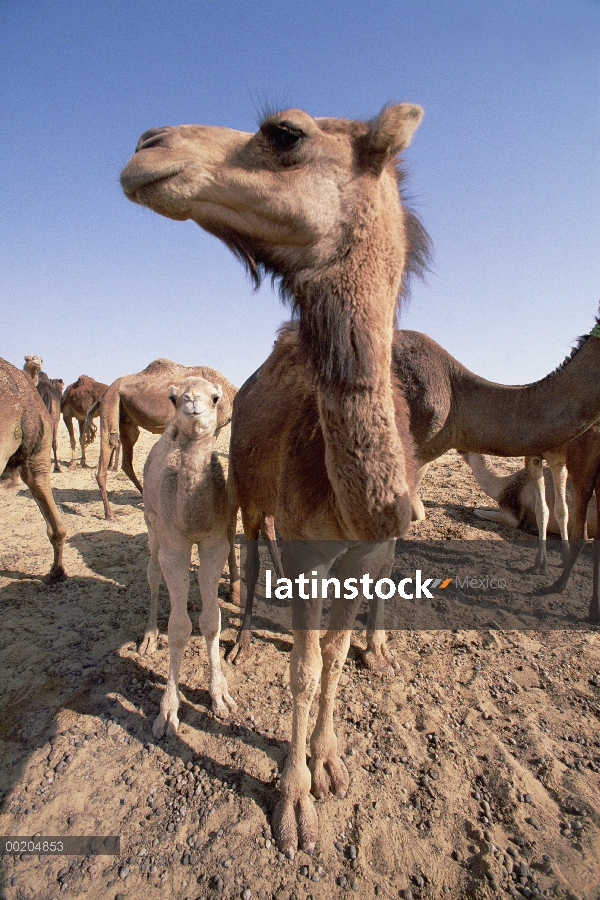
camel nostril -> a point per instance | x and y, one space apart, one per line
150 138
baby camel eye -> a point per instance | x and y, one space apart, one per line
283 137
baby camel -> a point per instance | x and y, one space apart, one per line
185 503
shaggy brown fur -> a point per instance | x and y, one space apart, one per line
25 446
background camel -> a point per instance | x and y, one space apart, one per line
185 503
25 445
141 401
50 390
77 401
516 496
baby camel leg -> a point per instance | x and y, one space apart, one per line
175 564
535 464
212 560
154 574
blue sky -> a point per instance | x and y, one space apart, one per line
504 170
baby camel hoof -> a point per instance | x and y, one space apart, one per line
55 575
168 723
380 663
241 650
224 706
295 824
329 775
148 645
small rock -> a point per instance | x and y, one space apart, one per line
246 894
352 852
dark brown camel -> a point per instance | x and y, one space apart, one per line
77 401
450 407
25 446
142 401
315 202
50 390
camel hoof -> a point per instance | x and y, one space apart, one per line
329 775
295 823
555 588
149 644
168 723
380 663
54 576
224 706
537 569
57 469
594 617
241 651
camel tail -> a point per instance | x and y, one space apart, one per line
89 429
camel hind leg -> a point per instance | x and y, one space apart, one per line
68 420
35 472
55 446
241 650
561 510
109 438
212 560
377 656
129 434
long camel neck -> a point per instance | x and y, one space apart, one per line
486 476
528 419
345 329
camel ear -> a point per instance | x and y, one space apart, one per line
223 409
389 134
173 394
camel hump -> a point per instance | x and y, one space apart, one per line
160 365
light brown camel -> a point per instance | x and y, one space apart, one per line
517 496
315 202
185 503
450 407
77 401
25 446
141 401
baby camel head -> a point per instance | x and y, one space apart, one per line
286 198
196 403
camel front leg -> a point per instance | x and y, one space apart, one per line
129 434
154 575
68 420
55 446
417 508
377 656
561 510
175 564
212 560
535 464
329 774
295 820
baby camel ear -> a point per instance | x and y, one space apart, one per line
389 134
173 394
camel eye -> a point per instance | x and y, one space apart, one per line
283 137
215 399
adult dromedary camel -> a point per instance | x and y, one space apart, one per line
25 446
77 401
50 390
142 401
450 407
315 202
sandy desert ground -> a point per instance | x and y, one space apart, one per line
475 771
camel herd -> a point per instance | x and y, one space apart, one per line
332 436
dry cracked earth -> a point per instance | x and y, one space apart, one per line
475 770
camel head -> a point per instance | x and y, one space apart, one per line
33 364
196 403
286 199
